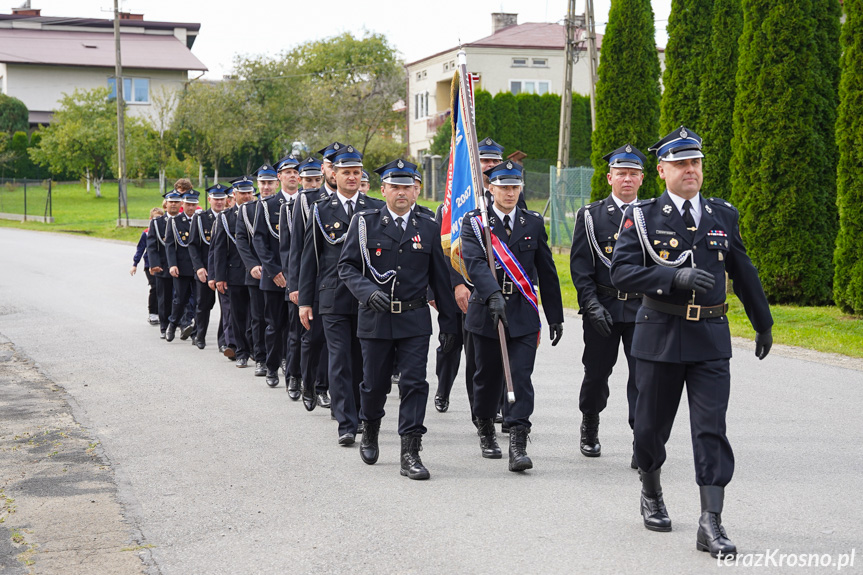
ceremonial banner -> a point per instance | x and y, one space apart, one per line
461 189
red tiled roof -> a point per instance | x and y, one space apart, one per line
71 48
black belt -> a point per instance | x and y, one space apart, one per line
397 306
621 295
691 312
506 286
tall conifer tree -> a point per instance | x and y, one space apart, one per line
718 88
848 259
689 26
777 174
627 93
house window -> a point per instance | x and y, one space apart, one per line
421 105
135 90
519 62
419 75
529 86
540 62
446 66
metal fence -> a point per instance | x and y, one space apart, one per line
26 200
569 190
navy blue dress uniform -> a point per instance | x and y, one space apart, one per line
225 333
676 252
314 357
254 307
157 236
491 150
447 364
495 294
230 268
337 306
266 246
293 369
389 269
609 315
177 254
201 235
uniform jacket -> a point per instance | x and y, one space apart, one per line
156 238
266 239
244 229
286 232
298 238
200 238
587 268
456 278
178 236
529 245
228 266
319 276
717 248
419 265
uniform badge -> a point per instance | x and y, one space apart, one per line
377 253
332 236
610 209
491 220
673 242
708 209
277 227
416 239
656 242
336 146
627 224
337 225
608 249
615 235
666 209
400 164
664 254
509 165
683 133
628 149
414 222
385 219
521 220
720 256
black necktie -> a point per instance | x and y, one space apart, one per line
290 207
400 222
350 205
624 206
506 225
687 217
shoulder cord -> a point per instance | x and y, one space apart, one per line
380 278
227 229
591 235
289 216
201 229
641 227
250 226
177 235
330 240
161 239
304 203
266 215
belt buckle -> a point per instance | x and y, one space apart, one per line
625 295
506 288
693 312
396 306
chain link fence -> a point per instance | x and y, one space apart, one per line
569 190
26 200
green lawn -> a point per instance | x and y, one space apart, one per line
77 211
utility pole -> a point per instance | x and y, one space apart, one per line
123 207
592 59
566 97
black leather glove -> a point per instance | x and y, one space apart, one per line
555 332
598 316
763 343
447 342
379 301
693 279
497 308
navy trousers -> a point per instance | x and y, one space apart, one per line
240 319
345 370
164 288
314 357
205 301
182 290
294 333
411 355
660 386
257 326
489 385
600 355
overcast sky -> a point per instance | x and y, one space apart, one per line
269 26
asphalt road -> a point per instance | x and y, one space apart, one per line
221 474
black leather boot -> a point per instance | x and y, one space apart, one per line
518 459
369 445
711 534
412 465
293 388
170 332
652 506
590 446
487 440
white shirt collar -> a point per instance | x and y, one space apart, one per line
696 206
344 199
328 189
395 215
501 214
620 202
289 197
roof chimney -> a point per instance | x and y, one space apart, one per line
130 16
25 10
501 20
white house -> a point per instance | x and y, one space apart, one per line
43 57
